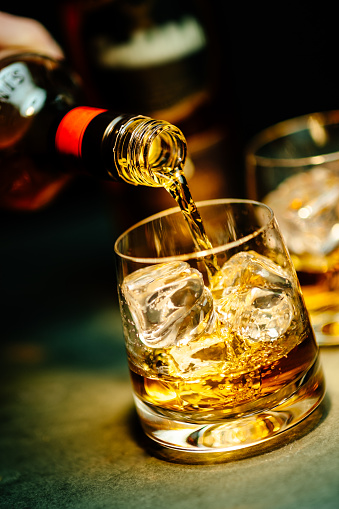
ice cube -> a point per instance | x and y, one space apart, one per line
206 356
169 303
253 297
246 268
306 206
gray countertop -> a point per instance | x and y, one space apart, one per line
69 436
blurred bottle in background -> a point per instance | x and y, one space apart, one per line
162 60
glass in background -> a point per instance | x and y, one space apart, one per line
293 166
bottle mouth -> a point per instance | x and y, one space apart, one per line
166 152
155 151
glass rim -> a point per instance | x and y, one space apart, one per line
287 127
194 254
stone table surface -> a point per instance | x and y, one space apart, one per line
69 436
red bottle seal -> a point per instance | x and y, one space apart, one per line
70 132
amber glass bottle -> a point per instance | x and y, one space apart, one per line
45 137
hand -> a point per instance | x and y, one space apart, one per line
18 34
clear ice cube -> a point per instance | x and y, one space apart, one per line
169 304
247 268
253 297
306 206
206 356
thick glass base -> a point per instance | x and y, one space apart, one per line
232 434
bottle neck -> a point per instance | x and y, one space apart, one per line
135 149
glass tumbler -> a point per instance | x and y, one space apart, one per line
220 348
293 166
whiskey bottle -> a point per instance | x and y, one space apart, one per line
45 137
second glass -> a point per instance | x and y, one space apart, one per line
220 348
293 166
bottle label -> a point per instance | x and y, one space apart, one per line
17 87
70 132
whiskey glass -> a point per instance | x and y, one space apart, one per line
293 166
221 353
